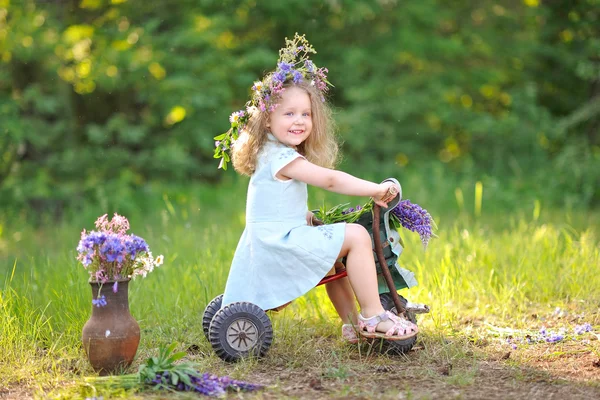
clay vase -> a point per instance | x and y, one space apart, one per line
111 336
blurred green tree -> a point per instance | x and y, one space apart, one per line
111 94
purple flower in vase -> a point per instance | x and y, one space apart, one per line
100 301
134 245
112 249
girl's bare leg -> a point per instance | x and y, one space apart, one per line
341 295
362 275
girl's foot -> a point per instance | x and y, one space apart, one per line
395 328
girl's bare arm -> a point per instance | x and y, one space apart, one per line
335 181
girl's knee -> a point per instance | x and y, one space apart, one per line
358 234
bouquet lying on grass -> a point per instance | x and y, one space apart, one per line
406 215
161 373
110 254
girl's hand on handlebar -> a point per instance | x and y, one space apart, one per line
386 193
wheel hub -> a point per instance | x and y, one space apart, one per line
242 334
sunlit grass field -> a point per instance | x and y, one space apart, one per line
489 269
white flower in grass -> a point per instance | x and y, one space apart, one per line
159 260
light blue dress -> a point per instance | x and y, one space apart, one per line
279 257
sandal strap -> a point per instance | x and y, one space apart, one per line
400 326
371 323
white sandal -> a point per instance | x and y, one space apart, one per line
401 330
349 333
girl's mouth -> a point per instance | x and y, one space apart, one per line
296 132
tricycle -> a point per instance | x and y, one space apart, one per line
242 329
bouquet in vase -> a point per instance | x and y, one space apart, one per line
109 254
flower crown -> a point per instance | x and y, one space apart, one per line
293 66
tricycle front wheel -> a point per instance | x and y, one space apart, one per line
240 330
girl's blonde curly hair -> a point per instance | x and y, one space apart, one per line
320 148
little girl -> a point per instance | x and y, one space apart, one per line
284 141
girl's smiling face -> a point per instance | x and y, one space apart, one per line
291 122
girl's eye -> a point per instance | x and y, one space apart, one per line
306 114
289 113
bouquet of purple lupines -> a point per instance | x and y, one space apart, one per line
110 254
405 215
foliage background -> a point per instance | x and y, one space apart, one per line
112 96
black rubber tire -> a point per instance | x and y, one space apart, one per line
397 347
240 330
209 312
388 304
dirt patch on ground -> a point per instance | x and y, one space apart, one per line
434 369
567 371
15 393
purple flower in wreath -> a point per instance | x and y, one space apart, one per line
278 77
310 67
297 76
284 67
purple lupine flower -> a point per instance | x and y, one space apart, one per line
115 287
415 219
351 210
581 329
206 384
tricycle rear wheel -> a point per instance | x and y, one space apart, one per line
209 313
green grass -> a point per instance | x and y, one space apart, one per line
488 271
